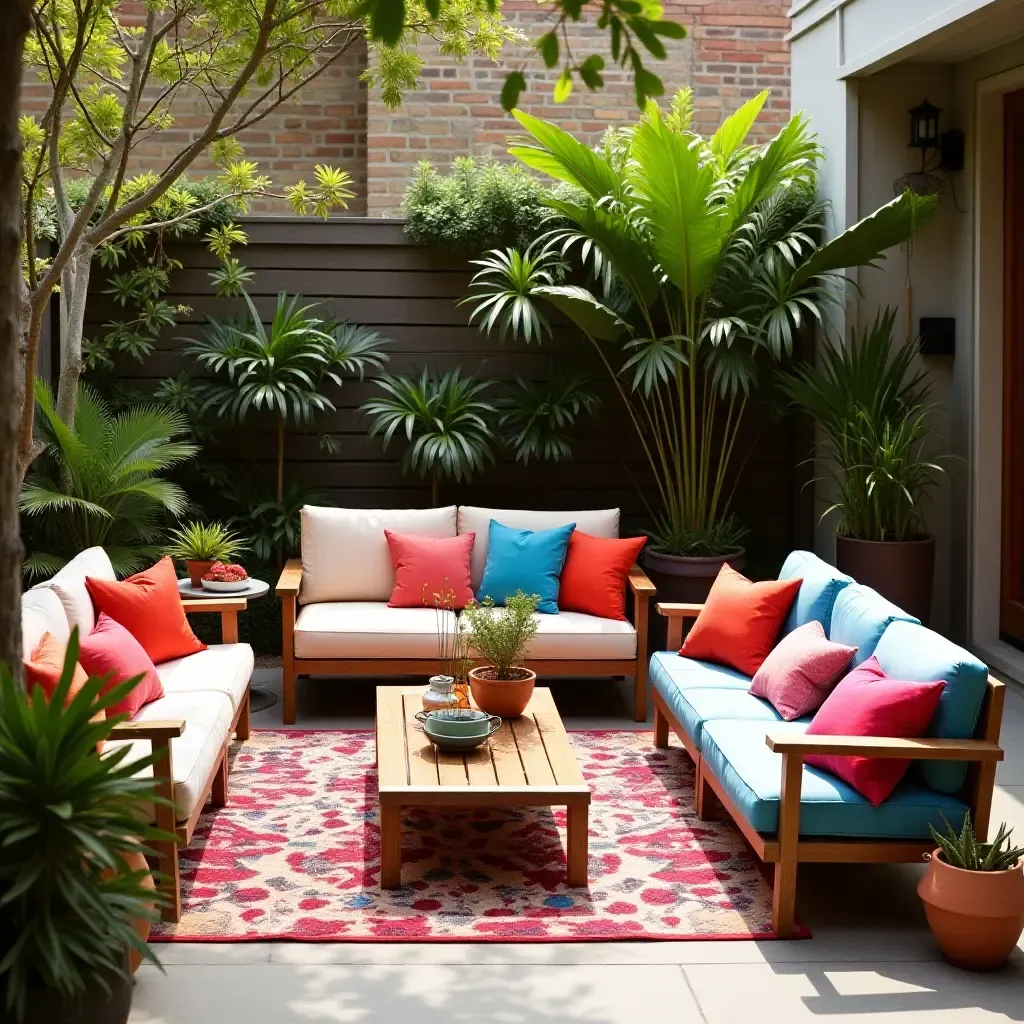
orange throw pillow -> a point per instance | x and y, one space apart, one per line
594 575
740 621
44 666
149 606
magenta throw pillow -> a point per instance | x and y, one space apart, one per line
801 670
867 702
111 650
425 566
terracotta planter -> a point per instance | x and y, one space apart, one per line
900 570
501 697
976 916
196 571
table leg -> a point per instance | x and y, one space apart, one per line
577 844
390 846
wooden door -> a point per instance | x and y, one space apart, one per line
1011 617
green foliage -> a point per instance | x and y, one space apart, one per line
477 205
705 260
725 536
273 526
535 417
205 542
70 820
502 636
964 851
873 412
101 483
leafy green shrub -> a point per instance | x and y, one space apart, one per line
477 205
503 635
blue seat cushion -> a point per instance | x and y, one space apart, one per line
751 775
818 591
526 560
910 651
860 617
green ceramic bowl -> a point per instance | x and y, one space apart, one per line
471 726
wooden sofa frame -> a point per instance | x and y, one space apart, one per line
160 734
786 850
290 581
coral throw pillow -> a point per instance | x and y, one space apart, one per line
595 572
801 671
740 621
425 566
868 703
149 606
111 650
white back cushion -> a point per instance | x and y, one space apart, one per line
69 586
41 612
345 555
597 522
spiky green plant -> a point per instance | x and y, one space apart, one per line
205 542
535 417
502 636
99 483
964 850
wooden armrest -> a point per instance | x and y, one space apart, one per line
679 611
148 730
639 583
220 604
291 577
925 749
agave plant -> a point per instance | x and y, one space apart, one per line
205 542
283 368
100 483
964 850
705 258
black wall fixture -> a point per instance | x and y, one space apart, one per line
937 335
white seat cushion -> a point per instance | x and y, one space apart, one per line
69 586
194 753
365 629
602 522
42 612
221 668
576 636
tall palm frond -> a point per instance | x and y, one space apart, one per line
535 417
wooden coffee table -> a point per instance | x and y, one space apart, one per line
527 763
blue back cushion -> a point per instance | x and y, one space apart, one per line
910 651
526 560
818 591
860 617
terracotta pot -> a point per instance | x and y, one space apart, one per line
196 571
976 916
900 570
506 698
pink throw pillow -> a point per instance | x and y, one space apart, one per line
801 671
111 649
868 703
425 566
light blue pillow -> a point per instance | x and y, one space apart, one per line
859 618
818 591
526 560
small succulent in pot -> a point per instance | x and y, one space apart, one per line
502 637
199 545
973 894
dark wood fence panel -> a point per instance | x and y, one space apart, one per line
366 271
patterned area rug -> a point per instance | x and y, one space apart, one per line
295 855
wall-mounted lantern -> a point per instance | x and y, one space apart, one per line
924 127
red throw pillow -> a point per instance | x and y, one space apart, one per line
594 575
149 606
740 621
868 703
425 566
111 649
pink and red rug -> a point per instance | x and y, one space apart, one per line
295 855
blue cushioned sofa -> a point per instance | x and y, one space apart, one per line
751 762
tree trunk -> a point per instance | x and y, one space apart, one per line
280 458
73 325
14 26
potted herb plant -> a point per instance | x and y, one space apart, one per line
873 411
502 637
199 545
973 897
75 899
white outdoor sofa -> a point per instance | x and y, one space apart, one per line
206 700
336 620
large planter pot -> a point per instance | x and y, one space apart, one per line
976 916
196 571
96 1005
506 698
900 570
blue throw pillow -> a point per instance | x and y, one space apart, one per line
526 560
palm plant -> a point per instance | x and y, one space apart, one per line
283 368
704 259
100 482
535 417
205 542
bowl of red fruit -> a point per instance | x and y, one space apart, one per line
225 578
